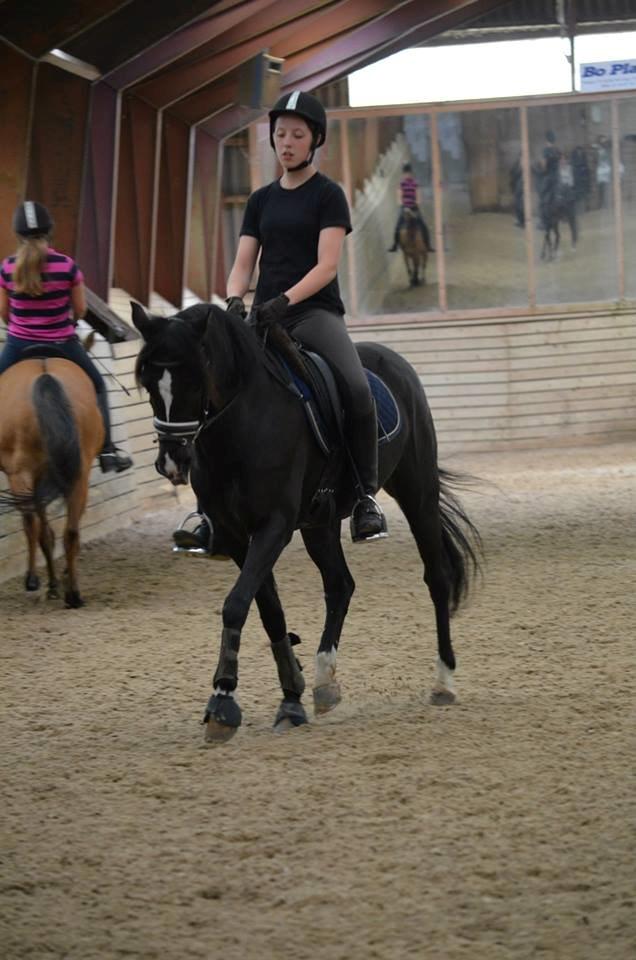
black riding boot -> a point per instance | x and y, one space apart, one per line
396 239
110 458
201 541
367 519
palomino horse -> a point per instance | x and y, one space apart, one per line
224 413
413 248
51 430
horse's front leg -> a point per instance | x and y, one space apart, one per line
325 549
223 714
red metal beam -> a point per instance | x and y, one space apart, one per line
229 49
178 45
56 156
136 199
97 213
173 210
16 81
404 27
327 26
202 254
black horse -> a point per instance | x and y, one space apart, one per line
224 417
557 204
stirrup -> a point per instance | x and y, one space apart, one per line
187 542
379 530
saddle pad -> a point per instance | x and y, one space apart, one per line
387 410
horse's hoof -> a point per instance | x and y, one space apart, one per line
31 582
291 713
52 593
216 732
222 718
73 600
326 697
442 698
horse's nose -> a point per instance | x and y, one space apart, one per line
176 473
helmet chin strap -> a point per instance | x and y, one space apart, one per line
305 163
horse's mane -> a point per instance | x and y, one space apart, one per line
231 350
214 346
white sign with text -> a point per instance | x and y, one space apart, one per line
608 75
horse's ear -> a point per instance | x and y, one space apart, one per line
196 318
144 321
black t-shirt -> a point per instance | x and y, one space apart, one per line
287 225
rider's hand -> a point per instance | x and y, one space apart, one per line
236 307
272 311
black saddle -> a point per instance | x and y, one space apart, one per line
319 394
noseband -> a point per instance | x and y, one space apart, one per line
179 433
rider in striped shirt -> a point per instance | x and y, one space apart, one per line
409 200
42 297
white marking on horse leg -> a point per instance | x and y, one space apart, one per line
445 677
165 389
325 667
443 692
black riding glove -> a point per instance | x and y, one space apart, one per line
272 311
236 307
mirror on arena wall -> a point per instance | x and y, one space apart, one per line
379 147
627 126
482 209
572 190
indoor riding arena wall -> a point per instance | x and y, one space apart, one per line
493 385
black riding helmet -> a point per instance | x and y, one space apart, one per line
32 219
308 107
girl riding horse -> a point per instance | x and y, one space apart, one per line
298 224
42 297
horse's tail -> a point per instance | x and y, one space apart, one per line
60 440
461 541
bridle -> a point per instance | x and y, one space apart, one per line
180 433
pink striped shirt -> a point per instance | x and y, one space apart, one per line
49 315
408 190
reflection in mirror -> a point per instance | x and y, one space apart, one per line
572 202
482 204
627 126
392 207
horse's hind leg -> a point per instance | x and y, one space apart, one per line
74 509
47 545
419 501
291 712
31 524
325 549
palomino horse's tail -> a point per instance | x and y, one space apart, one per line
60 442
460 538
